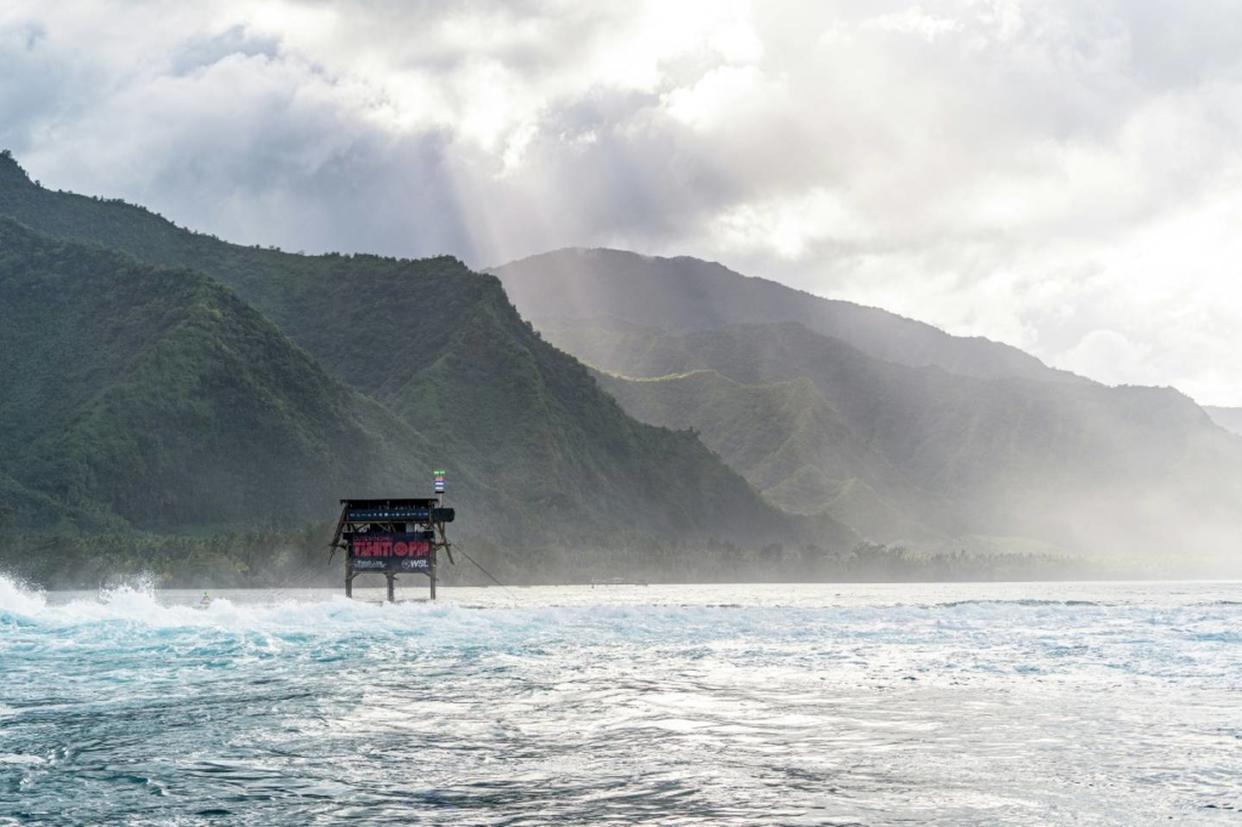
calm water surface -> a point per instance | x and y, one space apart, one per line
810 704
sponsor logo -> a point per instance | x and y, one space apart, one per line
388 545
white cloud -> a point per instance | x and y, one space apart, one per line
787 225
915 21
714 101
1059 175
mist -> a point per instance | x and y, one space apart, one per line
931 444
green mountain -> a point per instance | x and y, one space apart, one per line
1228 418
161 381
1128 472
389 367
156 399
685 294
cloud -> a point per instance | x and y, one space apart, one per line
1058 175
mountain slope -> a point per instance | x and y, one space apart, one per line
550 457
159 399
1096 469
685 294
1228 418
788 440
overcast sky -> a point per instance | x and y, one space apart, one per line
1062 175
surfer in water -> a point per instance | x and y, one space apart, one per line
205 602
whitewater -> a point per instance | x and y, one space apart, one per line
1036 703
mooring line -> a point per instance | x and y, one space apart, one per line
488 573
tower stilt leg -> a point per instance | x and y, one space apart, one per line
432 572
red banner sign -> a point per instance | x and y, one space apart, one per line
381 546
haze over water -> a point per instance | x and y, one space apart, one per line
839 704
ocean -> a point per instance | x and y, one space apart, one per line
1020 703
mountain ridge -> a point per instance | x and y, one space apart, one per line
577 283
1228 418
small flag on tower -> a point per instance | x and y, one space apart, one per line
439 482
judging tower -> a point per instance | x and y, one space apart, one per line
393 536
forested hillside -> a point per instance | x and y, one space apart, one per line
141 397
1125 471
792 444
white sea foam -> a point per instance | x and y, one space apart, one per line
20 600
